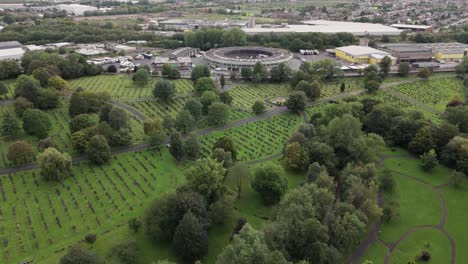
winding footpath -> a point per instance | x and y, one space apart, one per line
373 235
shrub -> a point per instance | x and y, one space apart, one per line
270 183
90 238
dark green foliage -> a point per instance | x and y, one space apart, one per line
118 118
387 182
192 148
258 107
9 69
422 141
184 122
259 72
134 224
80 122
207 98
296 102
28 88
10 128
164 90
270 183
20 153
425 73
372 86
227 144
199 71
190 238
280 73
204 84
222 156
194 107
77 255
36 122
90 238
87 102
176 147
429 160
226 98
45 143
125 253
3 89
404 69
246 73
218 113
98 150
385 65
55 166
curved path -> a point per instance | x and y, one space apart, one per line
373 236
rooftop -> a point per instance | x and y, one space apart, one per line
11 52
328 27
10 45
410 26
361 50
159 60
434 47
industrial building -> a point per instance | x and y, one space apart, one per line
11 50
327 27
236 58
421 52
362 54
181 63
414 28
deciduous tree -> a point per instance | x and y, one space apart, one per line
55 166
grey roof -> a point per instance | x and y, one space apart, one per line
10 45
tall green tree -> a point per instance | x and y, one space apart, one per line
164 90
98 150
249 247
141 77
228 144
206 176
204 84
79 255
296 102
184 122
20 153
199 71
10 126
385 65
191 238
176 146
270 183
54 166
36 122
218 113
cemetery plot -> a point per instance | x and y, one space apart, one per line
246 95
330 89
159 109
257 139
121 86
435 93
38 218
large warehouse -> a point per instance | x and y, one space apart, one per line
362 54
327 27
415 52
236 58
11 50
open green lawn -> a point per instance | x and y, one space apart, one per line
39 218
429 240
435 93
420 204
257 139
121 86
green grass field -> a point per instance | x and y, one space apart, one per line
421 207
40 218
246 95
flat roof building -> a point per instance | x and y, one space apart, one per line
415 28
326 27
419 52
11 50
182 63
362 54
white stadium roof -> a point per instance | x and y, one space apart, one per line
328 27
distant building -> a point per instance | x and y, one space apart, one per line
326 27
420 52
362 55
414 28
11 50
181 63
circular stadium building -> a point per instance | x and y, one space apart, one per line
236 58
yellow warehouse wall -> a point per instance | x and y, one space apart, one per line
454 56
